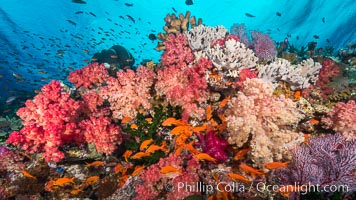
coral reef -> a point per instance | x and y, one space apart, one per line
263 45
128 92
201 37
214 146
255 113
89 76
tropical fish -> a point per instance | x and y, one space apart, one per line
127 154
71 22
17 76
138 170
145 144
251 170
170 169
174 9
224 102
276 165
249 15
76 191
10 99
172 121
190 148
278 14
79 12
79 1
128 4
200 128
126 120
296 95
316 36
152 37
149 119
209 112
313 122
179 130
239 177
91 180
27 174
95 164
134 126
241 153
188 2
63 181
205 156
118 168
130 18
153 148
140 155
323 19
92 14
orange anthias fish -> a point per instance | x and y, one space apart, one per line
126 120
296 95
209 112
118 168
63 181
173 121
134 126
170 169
95 164
127 154
241 153
180 129
154 148
239 177
138 170
276 165
205 156
251 170
149 119
91 180
313 122
145 144
190 148
140 155
200 128
26 174
76 191
224 102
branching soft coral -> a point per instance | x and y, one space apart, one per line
185 87
255 114
128 92
342 119
102 133
329 70
90 75
49 122
177 51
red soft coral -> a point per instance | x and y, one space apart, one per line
89 76
177 50
102 133
329 70
49 122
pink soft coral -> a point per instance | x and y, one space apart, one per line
90 75
177 50
185 87
329 70
129 91
49 122
342 119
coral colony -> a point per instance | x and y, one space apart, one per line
224 115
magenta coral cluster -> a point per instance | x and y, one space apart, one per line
88 76
342 119
329 70
213 145
177 51
128 92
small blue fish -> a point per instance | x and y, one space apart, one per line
10 99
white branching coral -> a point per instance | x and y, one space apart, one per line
200 37
265 122
298 76
232 57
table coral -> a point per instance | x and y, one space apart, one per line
255 114
128 92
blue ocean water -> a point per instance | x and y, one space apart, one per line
42 40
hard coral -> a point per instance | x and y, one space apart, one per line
214 146
129 92
89 76
342 119
255 114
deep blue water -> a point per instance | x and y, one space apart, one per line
42 40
